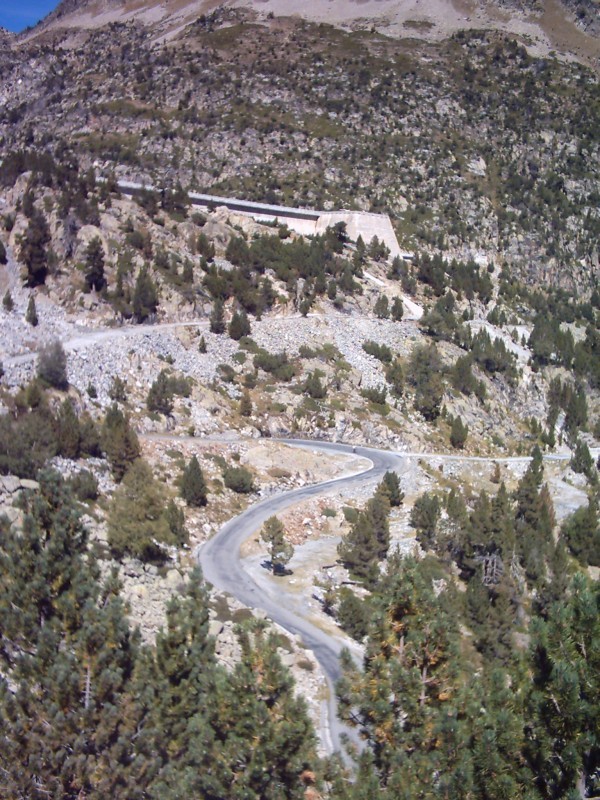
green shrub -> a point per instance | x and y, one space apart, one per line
350 514
379 351
52 366
306 352
118 390
239 479
276 364
374 394
226 372
313 386
84 485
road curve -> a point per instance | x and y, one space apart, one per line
219 559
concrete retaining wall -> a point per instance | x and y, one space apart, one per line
301 220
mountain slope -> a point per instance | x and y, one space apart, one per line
471 145
568 26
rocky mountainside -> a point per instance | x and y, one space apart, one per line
156 354
474 145
566 25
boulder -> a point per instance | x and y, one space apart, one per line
9 484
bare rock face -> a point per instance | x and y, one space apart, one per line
11 488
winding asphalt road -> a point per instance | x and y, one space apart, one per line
219 559
220 556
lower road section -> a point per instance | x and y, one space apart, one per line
220 562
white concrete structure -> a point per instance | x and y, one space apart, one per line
305 221
362 223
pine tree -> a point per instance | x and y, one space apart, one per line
564 746
462 375
94 265
381 309
458 433
89 437
239 325
202 345
424 373
212 734
280 550
397 311
178 687
378 508
576 412
498 739
424 517
352 614
534 519
390 485
7 301
581 531
404 701
527 493
555 589
52 365
359 549
118 390
394 375
492 616
267 739
502 526
583 462
145 296
67 721
178 533
137 522
31 313
193 485
33 250
69 434
205 247
160 395
187 274
456 536
217 317
119 441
